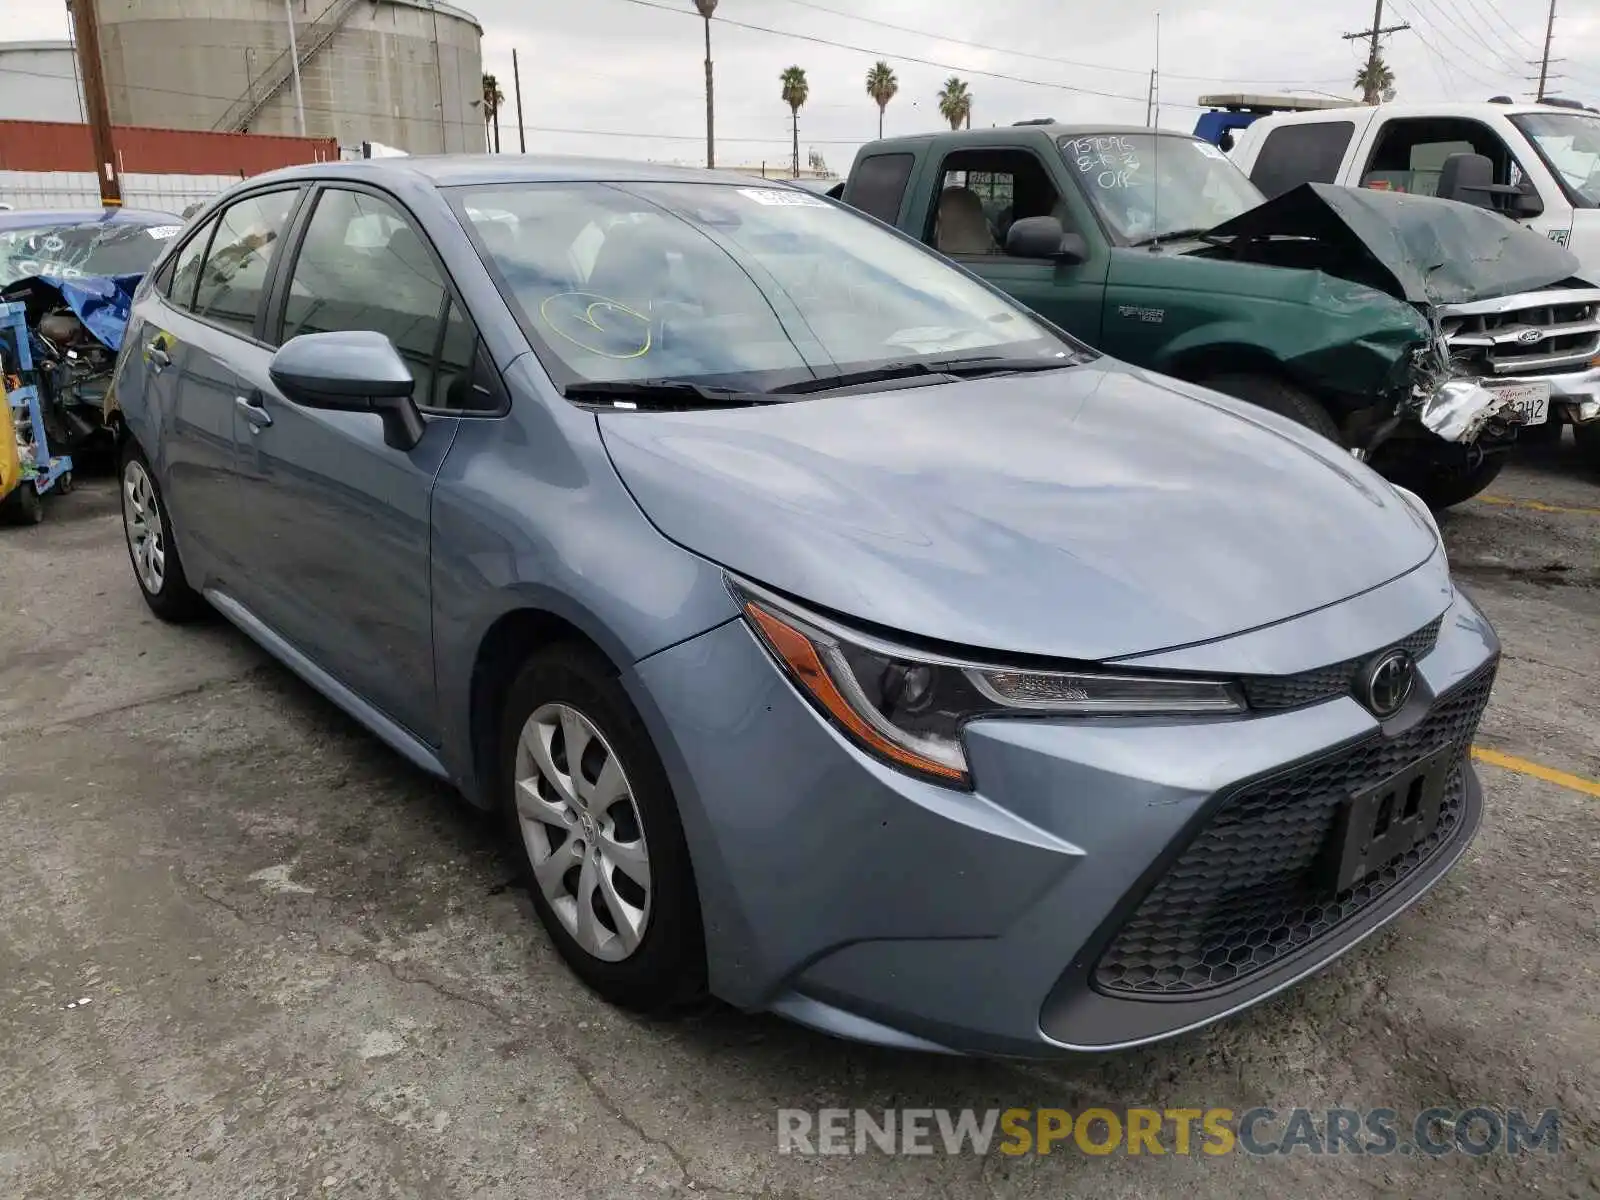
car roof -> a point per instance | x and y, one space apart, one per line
1443 108
455 170
1008 134
40 217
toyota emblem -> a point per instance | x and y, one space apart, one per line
1386 682
1528 336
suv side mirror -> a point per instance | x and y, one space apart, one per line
353 370
1044 237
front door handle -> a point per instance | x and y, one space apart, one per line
254 411
160 360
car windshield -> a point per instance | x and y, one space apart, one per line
745 287
1148 186
76 249
1569 143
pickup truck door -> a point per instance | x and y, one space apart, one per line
1006 182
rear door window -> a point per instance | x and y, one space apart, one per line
1296 154
234 277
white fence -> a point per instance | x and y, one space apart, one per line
79 189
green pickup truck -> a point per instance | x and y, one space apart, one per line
1324 304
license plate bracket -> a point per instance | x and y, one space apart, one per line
1528 403
1380 823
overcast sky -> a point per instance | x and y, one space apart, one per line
622 67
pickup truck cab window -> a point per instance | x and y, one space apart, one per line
1296 154
982 192
1409 152
878 184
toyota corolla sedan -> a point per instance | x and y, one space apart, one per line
836 637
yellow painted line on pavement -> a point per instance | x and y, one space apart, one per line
1538 506
1522 766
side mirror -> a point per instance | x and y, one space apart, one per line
1468 178
1527 203
1043 237
351 371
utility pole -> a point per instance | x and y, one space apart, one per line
86 35
1373 34
1544 63
294 59
516 82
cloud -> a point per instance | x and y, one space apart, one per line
629 79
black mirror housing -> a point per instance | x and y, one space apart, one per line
1044 237
353 370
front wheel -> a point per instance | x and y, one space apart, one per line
1274 395
1443 484
22 505
1587 438
597 833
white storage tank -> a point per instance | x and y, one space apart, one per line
39 82
407 73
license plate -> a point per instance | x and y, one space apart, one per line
1529 403
1385 821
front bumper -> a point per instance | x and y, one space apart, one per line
856 899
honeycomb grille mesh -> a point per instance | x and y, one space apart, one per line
1324 683
1250 889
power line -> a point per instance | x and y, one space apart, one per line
341 111
1455 64
1065 62
1467 26
1450 63
1515 32
925 62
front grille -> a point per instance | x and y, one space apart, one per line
1278 692
1562 333
1250 887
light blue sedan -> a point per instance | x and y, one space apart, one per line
836 636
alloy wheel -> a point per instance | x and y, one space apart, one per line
141 520
581 827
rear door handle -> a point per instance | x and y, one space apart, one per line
254 411
160 360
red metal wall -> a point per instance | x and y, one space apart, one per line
53 146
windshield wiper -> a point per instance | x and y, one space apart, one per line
661 393
1171 235
957 368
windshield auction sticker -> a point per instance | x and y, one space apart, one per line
780 198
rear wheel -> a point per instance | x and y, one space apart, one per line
1274 395
22 505
154 555
597 834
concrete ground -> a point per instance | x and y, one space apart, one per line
247 952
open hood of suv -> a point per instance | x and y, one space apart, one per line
1417 248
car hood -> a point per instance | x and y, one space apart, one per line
1093 513
1426 250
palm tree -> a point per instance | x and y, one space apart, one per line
707 7
493 98
1374 79
955 103
796 91
882 86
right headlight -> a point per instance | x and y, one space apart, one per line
907 707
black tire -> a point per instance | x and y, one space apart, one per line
1442 486
1587 438
666 971
1274 395
23 505
173 600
